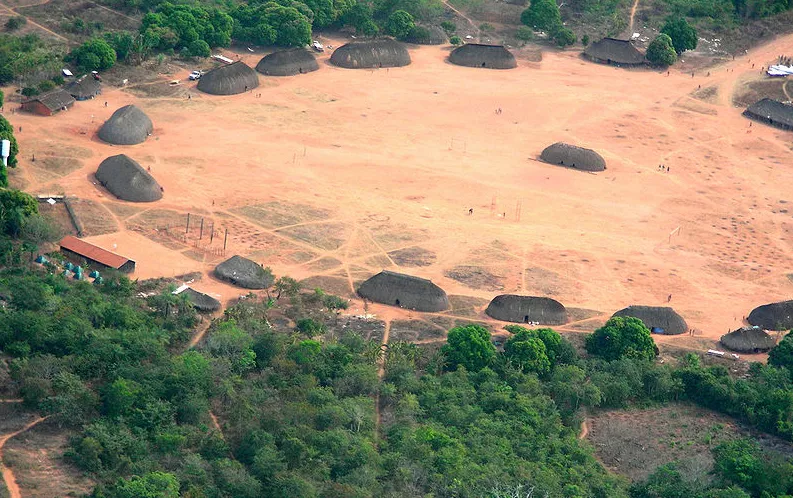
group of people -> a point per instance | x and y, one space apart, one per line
661 167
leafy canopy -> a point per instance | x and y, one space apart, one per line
622 337
469 346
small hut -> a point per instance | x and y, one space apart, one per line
480 55
244 273
774 316
659 319
49 103
748 340
527 309
771 112
231 79
427 35
614 51
363 54
127 126
288 63
127 180
573 156
200 301
84 88
405 291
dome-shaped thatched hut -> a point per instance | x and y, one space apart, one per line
573 156
288 63
382 52
771 112
774 316
200 301
527 309
232 79
427 35
748 340
405 291
613 51
127 126
127 180
659 319
244 273
479 55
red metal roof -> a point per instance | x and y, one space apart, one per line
92 252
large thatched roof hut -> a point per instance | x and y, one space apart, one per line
659 319
232 79
772 112
127 180
527 309
288 63
427 35
774 316
405 291
200 301
127 126
613 51
480 55
749 340
573 156
244 273
382 52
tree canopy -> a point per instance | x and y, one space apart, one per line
469 346
661 52
681 33
542 14
622 337
94 55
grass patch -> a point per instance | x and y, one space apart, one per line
280 214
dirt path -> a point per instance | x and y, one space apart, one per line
784 89
200 331
584 430
381 373
11 400
33 23
8 475
472 23
633 17
114 11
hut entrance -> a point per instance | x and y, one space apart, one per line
483 64
526 319
397 302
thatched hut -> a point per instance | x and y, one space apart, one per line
288 63
405 291
427 35
748 340
84 88
659 319
573 157
231 79
774 316
613 51
361 54
480 55
527 309
127 180
244 273
771 112
200 301
127 126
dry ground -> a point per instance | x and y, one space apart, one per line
335 175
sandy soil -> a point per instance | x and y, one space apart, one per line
341 173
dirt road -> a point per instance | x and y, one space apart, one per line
8 475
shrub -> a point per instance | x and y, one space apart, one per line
310 327
622 337
46 86
449 27
94 55
399 24
58 80
585 40
30 91
682 34
16 22
524 33
661 52
564 37
487 27
455 40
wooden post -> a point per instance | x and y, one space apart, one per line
201 230
187 228
225 239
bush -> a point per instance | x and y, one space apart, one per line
16 22
455 40
199 48
661 52
542 14
58 80
564 37
487 27
524 33
335 302
399 24
622 337
30 91
585 40
46 86
682 34
94 55
310 327
449 27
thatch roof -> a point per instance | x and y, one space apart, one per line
427 35
772 112
659 319
479 55
527 309
382 52
201 301
54 100
405 291
613 51
232 79
573 156
288 63
748 340
245 273
83 89
127 180
774 316
127 126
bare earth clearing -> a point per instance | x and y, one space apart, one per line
338 174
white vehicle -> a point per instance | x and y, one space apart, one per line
195 75
317 46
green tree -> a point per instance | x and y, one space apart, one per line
151 485
286 286
310 327
15 207
660 52
15 22
585 40
122 42
7 133
782 354
94 55
524 33
622 337
564 37
449 27
527 353
199 48
542 14
469 346
455 40
682 34
399 24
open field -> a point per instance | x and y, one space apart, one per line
335 175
